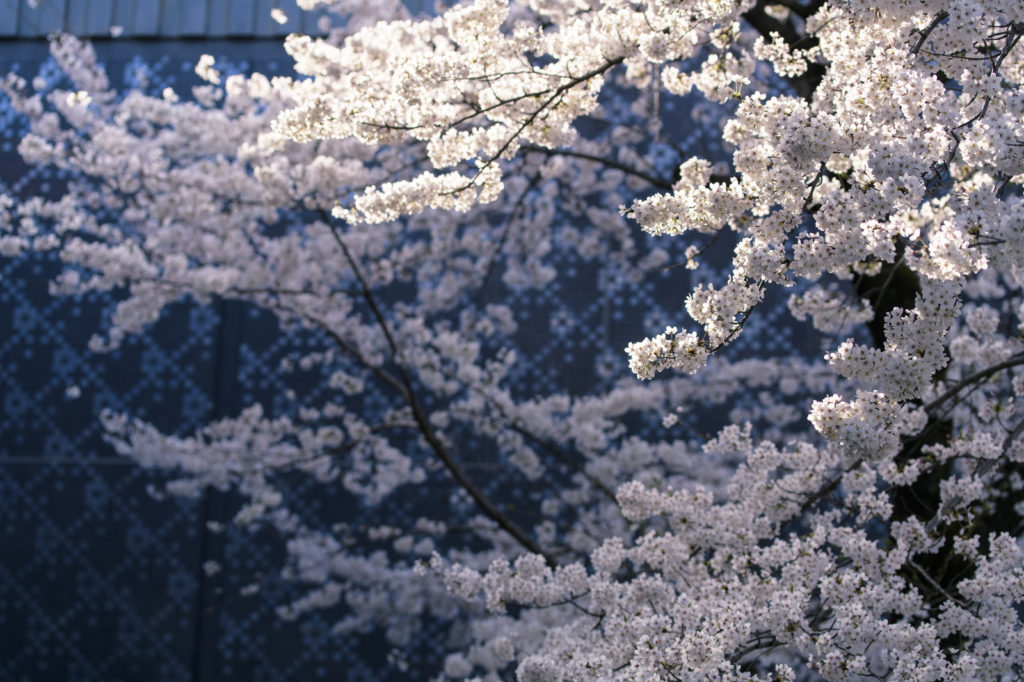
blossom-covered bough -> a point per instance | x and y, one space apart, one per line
873 161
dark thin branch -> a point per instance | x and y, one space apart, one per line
503 239
423 421
700 251
982 469
828 487
660 183
1007 442
558 92
931 581
1014 361
553 448
1013 34
759 640
927 31
352 351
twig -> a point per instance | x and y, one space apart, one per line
423 421
611 163
558 92
977 376
927 31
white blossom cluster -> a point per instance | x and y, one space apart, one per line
850 518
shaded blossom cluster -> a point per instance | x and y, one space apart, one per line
856 516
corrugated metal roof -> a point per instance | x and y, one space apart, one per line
158 18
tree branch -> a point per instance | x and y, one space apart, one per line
423 421
660 183
927 31
1014 361
559 91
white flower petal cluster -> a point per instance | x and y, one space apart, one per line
852 516
669 349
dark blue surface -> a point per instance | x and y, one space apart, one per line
99 580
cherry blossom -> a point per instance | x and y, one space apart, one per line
850 515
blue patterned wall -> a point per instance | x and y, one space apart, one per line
100 581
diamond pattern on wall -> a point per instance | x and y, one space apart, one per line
99 580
